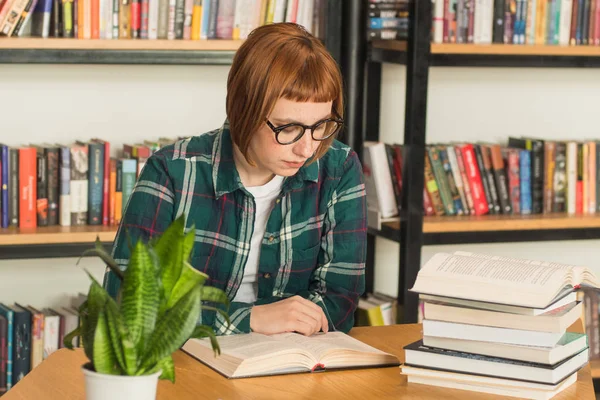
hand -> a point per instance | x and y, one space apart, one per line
295 314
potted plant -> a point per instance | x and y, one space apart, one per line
129 342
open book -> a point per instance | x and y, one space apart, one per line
502 280
255 354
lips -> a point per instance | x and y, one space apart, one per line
295 163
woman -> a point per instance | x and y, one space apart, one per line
277 203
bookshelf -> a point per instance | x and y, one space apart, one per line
53 241
119 51
500 228
492 55
412 230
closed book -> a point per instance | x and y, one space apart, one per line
129 177
475 179
42 188
13 187
8 314
27 187
53 182
3 353
65 186
4 182
21 343
79 184
96 183
419 355
36 335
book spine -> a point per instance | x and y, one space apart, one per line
27 187
458 179
549 171
455 195
465 179
597 177
96 181
432 188
526 198
9 316
4 180
65 186
514 181
500 179
52 159
571 177
3 353
79 185
153 16
106 184
42 189
13 187
119 192
484 179
579 181
441 179
112 191
591 204
129 174
179 18
21 345
474 177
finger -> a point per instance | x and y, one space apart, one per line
301 327
309 303
315 315
309 320
325 323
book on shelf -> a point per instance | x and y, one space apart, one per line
530 22
523 176
149 19
254 354
28 335
74 184
499 325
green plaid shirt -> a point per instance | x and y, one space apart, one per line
315 240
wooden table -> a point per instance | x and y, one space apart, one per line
60 378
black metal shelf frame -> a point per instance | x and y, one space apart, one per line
53 250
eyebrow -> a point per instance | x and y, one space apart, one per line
285 121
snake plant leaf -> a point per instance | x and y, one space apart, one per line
68 339
91 313
214 295
168 369
105 256
190 278
105 361
169 249
202 331
140 297
174 328
114 322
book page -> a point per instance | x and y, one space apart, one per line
511 274
250 345
319 343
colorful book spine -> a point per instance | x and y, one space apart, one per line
4 180
9 315
96 182
27 187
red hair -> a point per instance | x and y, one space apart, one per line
276 61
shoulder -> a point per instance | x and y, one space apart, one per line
339 160
194 147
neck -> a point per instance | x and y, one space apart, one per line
250 175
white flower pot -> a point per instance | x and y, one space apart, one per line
116 387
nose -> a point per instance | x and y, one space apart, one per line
306 146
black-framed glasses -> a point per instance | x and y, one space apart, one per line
291 133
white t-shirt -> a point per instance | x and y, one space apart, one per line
264 198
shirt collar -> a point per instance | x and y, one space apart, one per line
225 175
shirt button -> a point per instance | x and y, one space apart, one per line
271 238
266 275
278 201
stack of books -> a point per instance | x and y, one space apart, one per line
499 325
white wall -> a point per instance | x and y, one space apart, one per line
490 104
123 104
61 103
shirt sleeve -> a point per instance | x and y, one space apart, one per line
339 277
148 213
